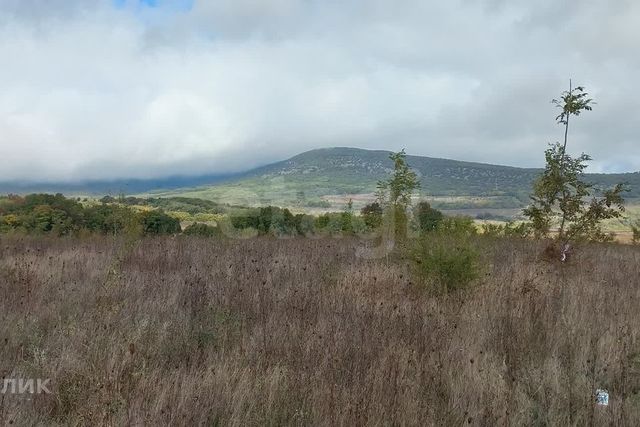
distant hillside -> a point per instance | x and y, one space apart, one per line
114 187
327 178
318 178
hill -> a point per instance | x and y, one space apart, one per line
326 178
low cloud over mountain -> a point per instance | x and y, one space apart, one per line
138 89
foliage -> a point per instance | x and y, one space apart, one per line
202 230
397 190
339 223
635 229
427 217
572 103
560 194
189 205
445 254
560 198
509 229
347 218
457 226
41 213
449 262
304 224
271 220
372 215
110 219
157 222
394 193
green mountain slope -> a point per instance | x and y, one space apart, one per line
327 177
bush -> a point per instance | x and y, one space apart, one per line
521 230
304 224
267 220
635 229
372 215
428 218
449 263
9 222
509 229
156 222
110 219
490 229
457 225
202 230
331 223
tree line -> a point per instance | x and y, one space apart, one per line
60 216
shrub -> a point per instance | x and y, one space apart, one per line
304 224
156 222
9 222
267 220
331 222
521 230
635 229
428 218
457 225
450 263
243 219
372 215
201 230
490 229
509 229
110 219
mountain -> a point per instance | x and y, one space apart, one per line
328 177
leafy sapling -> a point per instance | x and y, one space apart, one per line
561 196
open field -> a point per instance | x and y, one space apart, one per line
185 331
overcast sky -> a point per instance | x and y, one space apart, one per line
94 89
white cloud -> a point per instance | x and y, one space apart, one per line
94 91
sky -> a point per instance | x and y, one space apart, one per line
106 89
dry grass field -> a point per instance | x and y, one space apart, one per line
187 331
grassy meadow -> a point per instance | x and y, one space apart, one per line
191 331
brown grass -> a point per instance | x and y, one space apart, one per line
174 331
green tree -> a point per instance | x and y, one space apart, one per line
347 217
109 219
372 215
457 226
560 195
395 193
156 222
428 218
304 224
